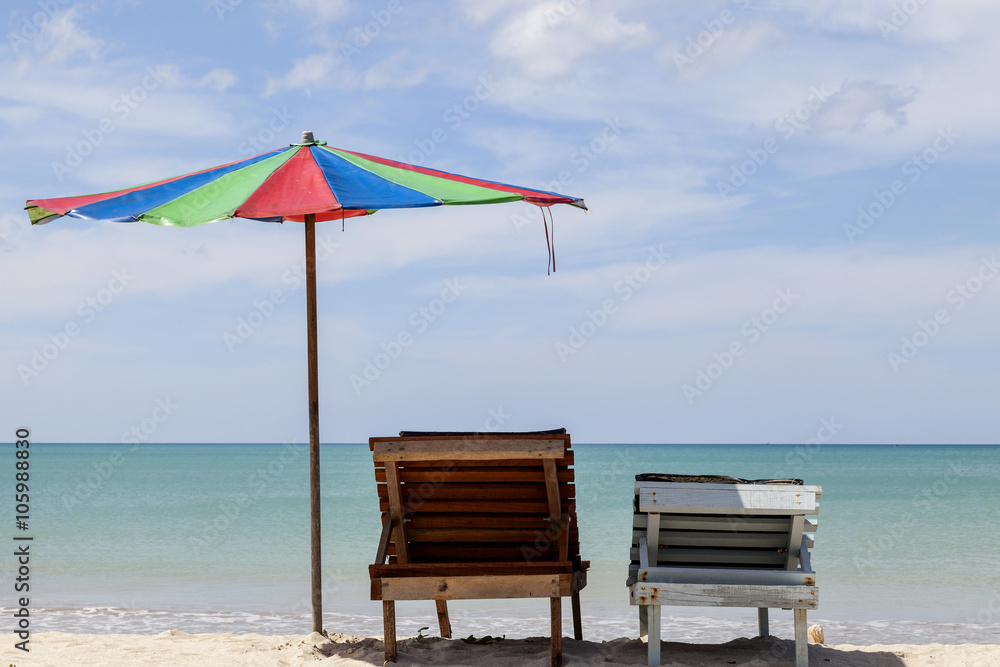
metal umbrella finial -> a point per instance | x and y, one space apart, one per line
307 137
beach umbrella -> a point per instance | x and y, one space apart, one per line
306 182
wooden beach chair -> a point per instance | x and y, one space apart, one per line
721 542
477 516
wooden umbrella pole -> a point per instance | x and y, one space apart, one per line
314 489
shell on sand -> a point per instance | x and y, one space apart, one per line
815 633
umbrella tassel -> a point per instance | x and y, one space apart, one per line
549 267
552 221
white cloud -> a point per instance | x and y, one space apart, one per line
827 353
274 29
842 15
322 10
913 21
748 39
865 106
480 12
218 79
395 71
59 106
720 46
62 38
328 69
548 38
325 69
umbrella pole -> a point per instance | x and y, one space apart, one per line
314 489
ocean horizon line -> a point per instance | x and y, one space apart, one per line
575 444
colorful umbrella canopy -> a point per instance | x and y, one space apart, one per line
306 182
287 184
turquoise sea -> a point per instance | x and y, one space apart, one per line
215 538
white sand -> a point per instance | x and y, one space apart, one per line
175 648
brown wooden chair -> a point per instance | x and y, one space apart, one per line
477 516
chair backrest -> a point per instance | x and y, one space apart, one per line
708 525
476 497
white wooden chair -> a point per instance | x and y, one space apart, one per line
717 543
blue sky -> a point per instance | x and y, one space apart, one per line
792 232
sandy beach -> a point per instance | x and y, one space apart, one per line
174 647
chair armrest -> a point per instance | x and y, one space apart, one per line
565 522
383 540
804 557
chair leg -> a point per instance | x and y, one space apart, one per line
762 627
801 641
654 635
643 621
577 616
555 604
389 626
443 622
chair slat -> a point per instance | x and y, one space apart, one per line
468 449
411 475
732 523
481 492
717 557
518 535
474 520
433 505
566 460
751 540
